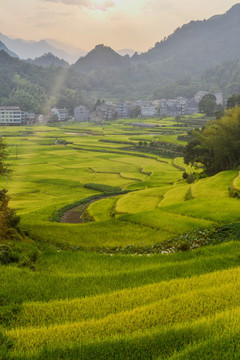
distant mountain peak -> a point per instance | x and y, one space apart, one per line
235 8
100 57
48 59
9 52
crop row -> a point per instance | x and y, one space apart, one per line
187 307
40 313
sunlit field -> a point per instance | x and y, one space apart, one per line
82 299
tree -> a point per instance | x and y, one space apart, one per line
3 154
8 219
136 111
233 101
217 146
208 105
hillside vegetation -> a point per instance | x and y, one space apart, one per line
35 88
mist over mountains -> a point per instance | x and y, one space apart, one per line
34 49
201 55
184 55
9 52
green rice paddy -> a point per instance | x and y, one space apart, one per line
78 301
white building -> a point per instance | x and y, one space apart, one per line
148 111
123 110
62 114
81 113
199 95
219 98
10 115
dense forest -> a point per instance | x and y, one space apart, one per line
37 88
217 145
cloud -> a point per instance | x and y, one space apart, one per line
103 5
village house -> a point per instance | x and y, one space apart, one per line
199 95
28 117
105 111
171 107
62 114
148 110
10 115
81 113
123 110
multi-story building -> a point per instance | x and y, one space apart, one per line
105 111
172 107
10 115
199 95
191 107
148 111
123 110
81 113
62 114
28 117
219 98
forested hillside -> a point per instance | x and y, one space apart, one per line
36 88
181 57
48 59
177 66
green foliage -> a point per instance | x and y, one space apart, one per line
8 218
37 88
217 146
27 95
7 256
233 101
136 111
5 344
208 105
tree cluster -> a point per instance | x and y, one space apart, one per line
217 146
8 218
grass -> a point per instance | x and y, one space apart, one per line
103 210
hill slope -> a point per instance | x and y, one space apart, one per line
9 52
48 60
37 88
200 44
32 49
100 57
185 54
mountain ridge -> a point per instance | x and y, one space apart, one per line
48 59
33 49
5 48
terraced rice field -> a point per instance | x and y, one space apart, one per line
79 301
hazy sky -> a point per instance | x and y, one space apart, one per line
136 24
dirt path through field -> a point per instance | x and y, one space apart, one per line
75 216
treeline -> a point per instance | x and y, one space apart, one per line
216 146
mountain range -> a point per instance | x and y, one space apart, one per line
35 49
175 66
4 48
48 60
185 54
